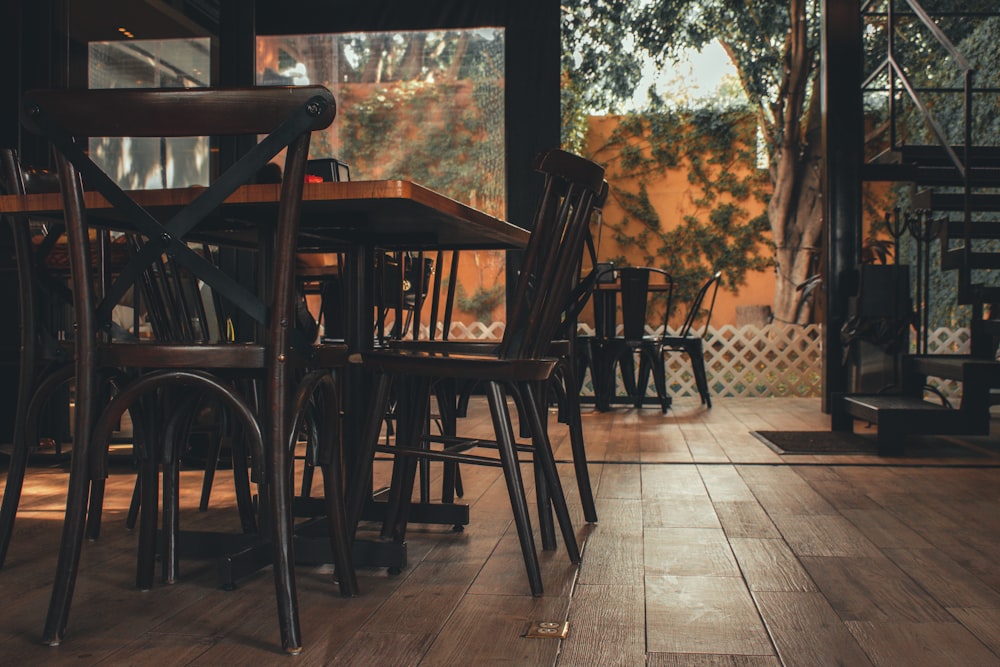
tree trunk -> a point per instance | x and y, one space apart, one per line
796 216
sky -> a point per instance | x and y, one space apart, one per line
697 75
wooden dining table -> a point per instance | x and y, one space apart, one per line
353 216
357 218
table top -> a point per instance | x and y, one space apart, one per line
399 213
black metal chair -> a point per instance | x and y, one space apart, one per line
167 374
573 186
690 342
636 286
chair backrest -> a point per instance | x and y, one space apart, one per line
40 293
573 188
286 115
711 286
636 294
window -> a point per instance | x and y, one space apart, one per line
147 162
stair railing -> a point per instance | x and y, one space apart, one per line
895 72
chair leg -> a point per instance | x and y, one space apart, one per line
543 454
445 393
411 424
96 507
133 506
276 496
25 433
211 465
241 483
171 520
71 545
331 462
642 383
655 360
361 491
543 499
696 352
515 485
575 424
626 364
149 504
602 376
15 482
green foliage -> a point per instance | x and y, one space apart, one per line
483 301
718 147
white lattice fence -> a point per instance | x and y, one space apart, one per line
774 360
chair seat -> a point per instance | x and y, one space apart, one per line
463 366
181 355
558 348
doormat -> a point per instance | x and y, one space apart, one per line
817 442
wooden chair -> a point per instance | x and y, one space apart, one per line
47 367
169 373
572 187
693 343
564 385
637 285
46 363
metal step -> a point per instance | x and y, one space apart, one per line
929 176
954 201
934 155
899 416
970 293
954 258
952 366
979 229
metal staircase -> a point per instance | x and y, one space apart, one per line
955 176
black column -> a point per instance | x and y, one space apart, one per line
843 138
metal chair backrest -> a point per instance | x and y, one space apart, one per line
711 285
573 187
636 295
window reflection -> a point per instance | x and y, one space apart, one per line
426 106
144 162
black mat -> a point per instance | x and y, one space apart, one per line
817 442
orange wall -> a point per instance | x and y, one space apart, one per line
671 197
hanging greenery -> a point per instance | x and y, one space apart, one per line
716 148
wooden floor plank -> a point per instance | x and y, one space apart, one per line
703 615
947 581
807 631
770 565
944 644
711 551
607 627
688 552
872 589
708 660
489 629
745 519
983 623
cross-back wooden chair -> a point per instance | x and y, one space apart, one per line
45 363
572 187
287 116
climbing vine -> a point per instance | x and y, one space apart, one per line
725 227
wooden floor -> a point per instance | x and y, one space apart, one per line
711 550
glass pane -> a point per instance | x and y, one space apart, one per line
145 162
426 106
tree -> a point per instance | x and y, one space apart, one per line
773 45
